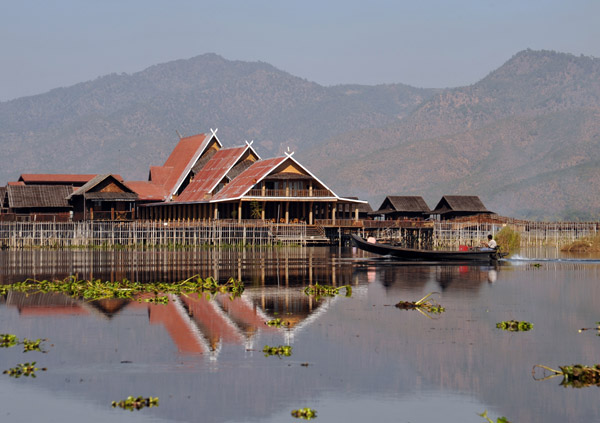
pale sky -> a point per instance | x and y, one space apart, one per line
46 44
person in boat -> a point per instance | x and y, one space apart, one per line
491 243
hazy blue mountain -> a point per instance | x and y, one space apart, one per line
525 138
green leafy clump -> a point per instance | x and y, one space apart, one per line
318 290
304 413
574 376
95 289
498 420
280 351
131 403
508 239
515 326
23 369
277 323
8 340
423 306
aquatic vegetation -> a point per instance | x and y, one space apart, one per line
498 420
423 306
304 413
597 329
131 403
95 289
277 323
326 290
8 340
23 369
515 326
584 245
575 376
282 350
508 239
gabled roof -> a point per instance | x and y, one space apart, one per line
58 178
88 189
38 196
256 173
461 203
213 172
147 191
405 203
183 157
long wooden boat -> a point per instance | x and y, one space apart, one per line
426 255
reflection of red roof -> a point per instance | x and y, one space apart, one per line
147 191
62 179
52 311
248 178
178 327
207 179
182 159
213 324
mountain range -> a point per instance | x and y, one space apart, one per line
525 138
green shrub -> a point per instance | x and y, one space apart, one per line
508 239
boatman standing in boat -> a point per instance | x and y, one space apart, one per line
491 243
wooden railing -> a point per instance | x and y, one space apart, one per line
289 193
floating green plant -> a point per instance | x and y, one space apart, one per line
498 420
8 340
304 413
131 403
95 289
575 376
23 369
326 290
423 306
515 326
282 350
277 323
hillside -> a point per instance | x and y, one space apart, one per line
525 138
124 123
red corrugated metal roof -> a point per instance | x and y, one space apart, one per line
159 175
212 173
247 179
182 159
147 191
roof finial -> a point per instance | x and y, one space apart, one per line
287 153
249 143
214 131
178 134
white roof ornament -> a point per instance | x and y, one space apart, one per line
249 143
214 131
287 153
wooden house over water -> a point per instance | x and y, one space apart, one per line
103 198
203 180
454 206
403 207
36 202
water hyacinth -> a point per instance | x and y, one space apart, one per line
304 413
318 291
423 306
277 323
574 376
285 350
515 326
95 289
23 369
137 403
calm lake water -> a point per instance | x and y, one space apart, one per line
354 359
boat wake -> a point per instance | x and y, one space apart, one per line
519 259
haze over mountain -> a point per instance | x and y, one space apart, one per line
525 138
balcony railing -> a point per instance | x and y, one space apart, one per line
289 193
